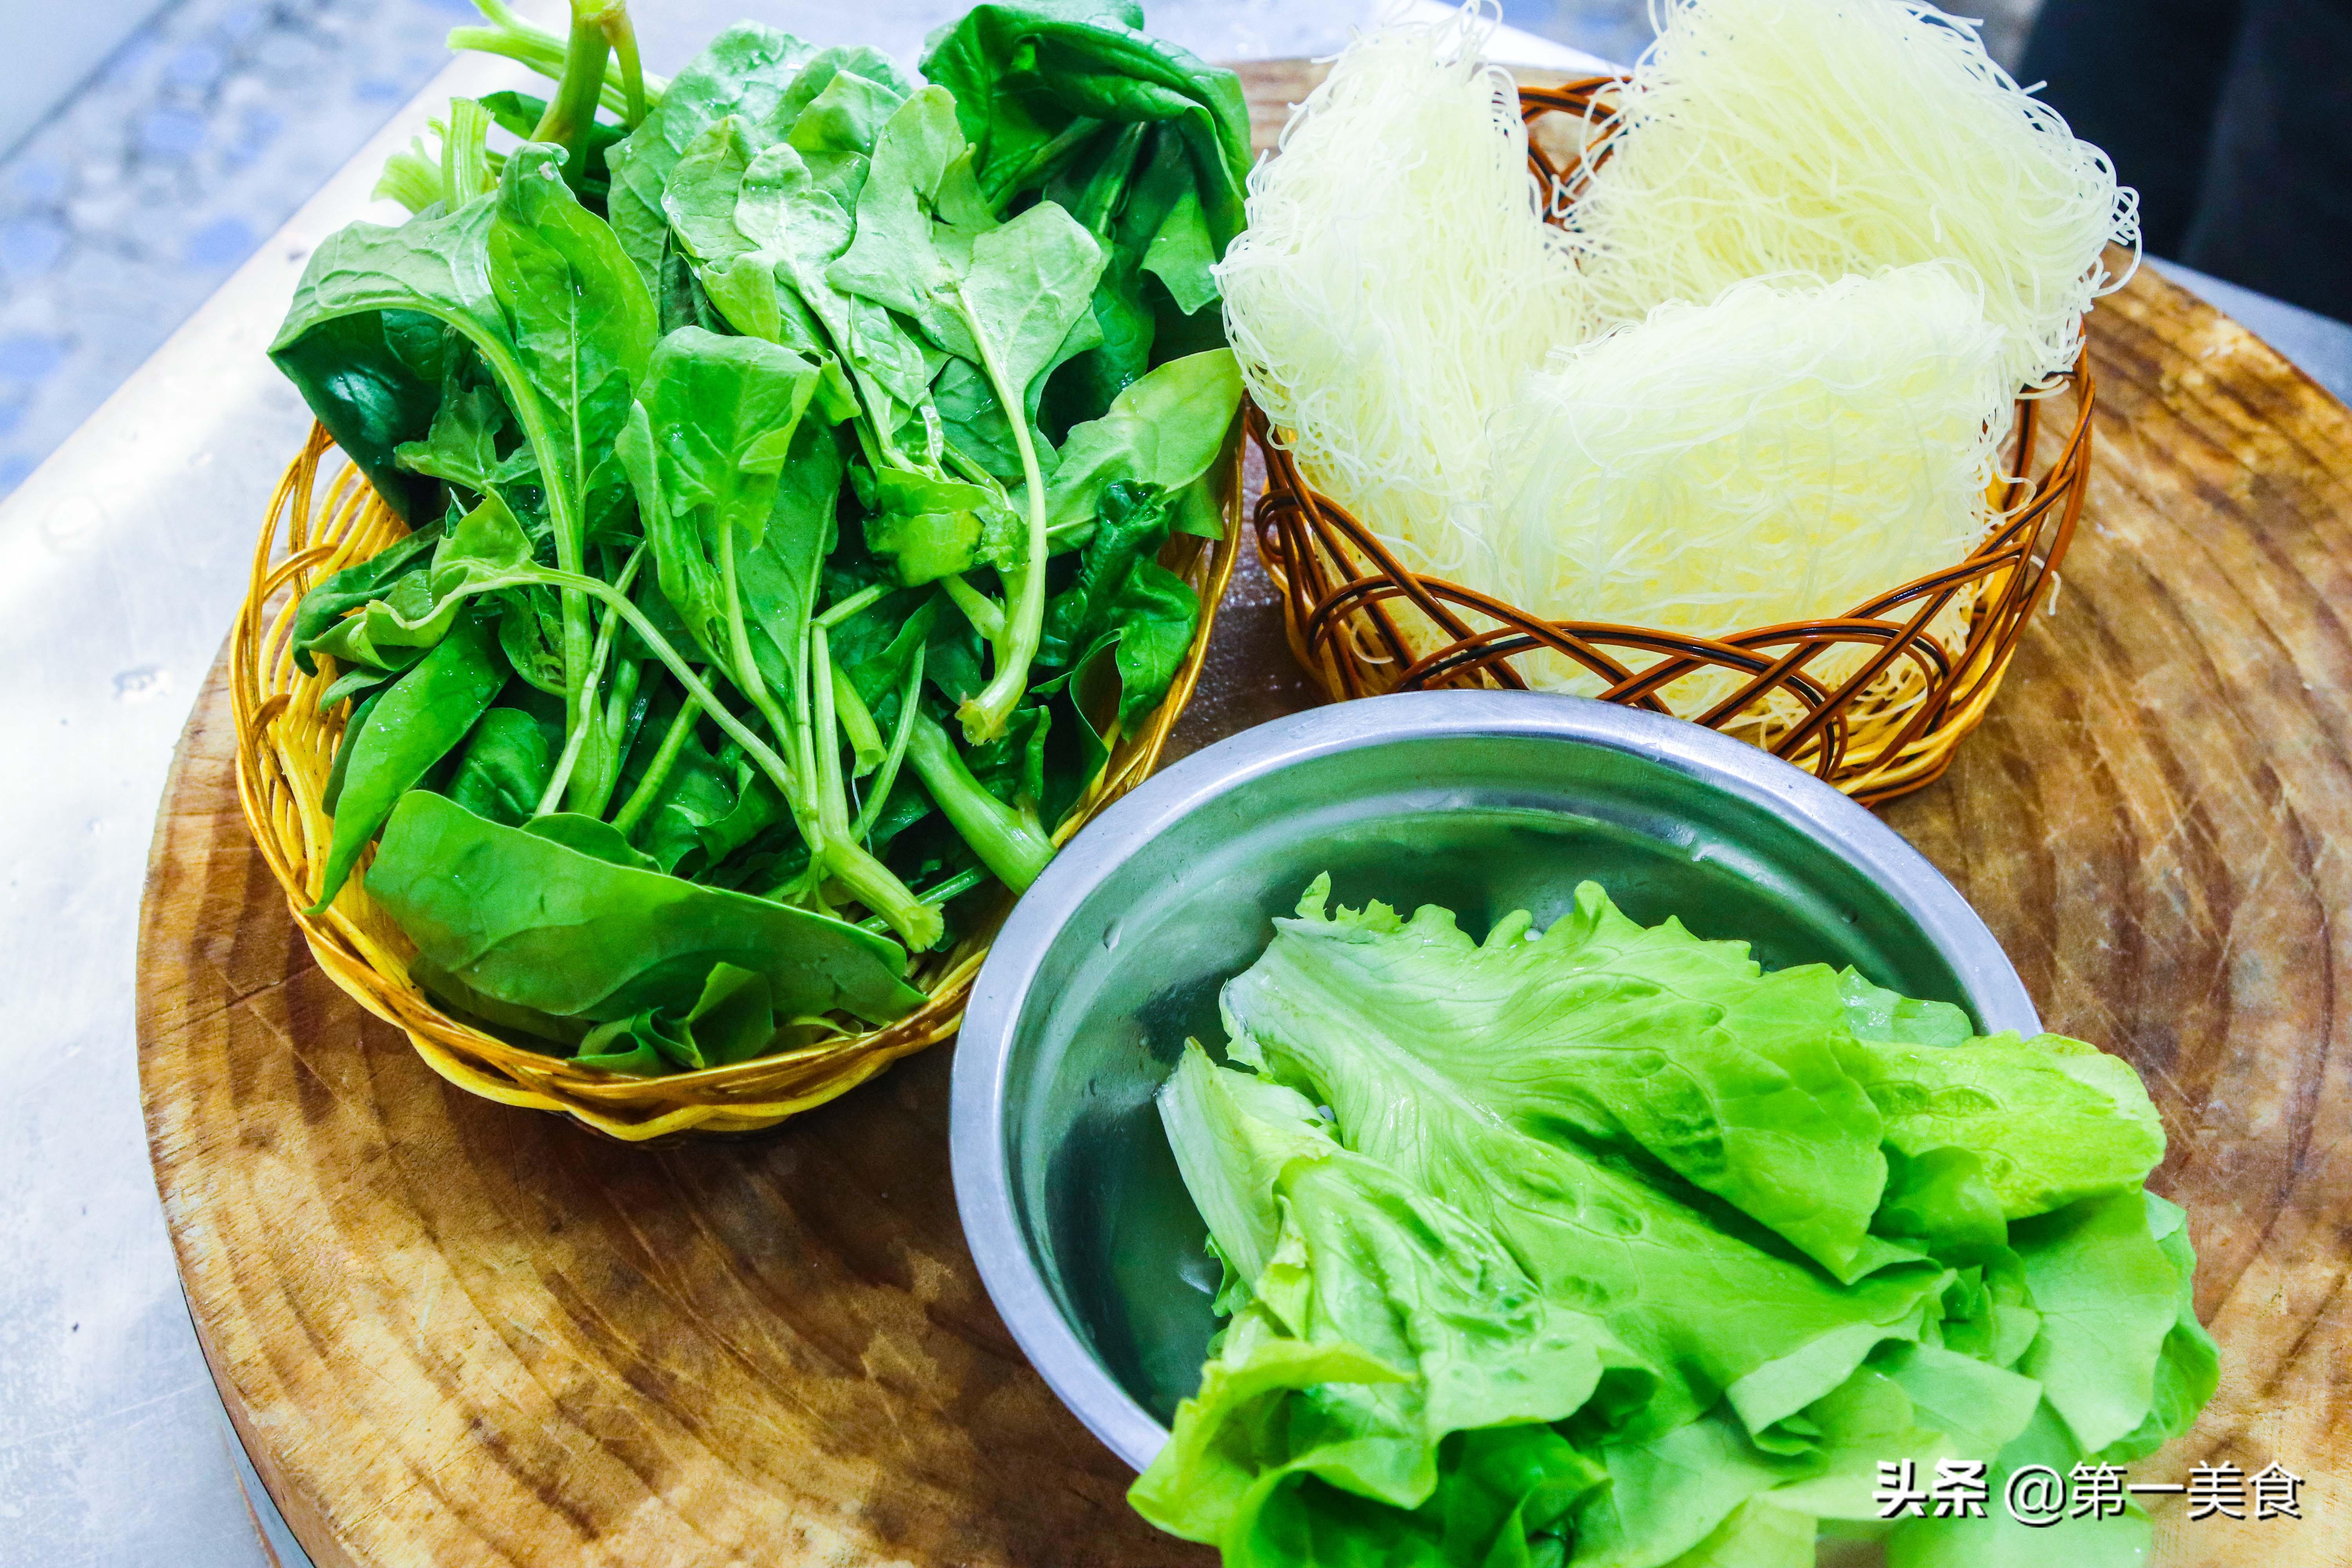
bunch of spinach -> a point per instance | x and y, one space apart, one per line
788 450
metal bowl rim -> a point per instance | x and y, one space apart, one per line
979 1151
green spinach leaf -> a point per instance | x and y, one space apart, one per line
847 112
1023 75
1181 252
1165 430
1027 292
340 768
591 836
733 1021
532 923
462 448
504 768
347 590
696 791
923 528
583 327
799 225
417 721
1123 603
361 340
727 409
745 72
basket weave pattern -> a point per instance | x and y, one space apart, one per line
1872 701
284 747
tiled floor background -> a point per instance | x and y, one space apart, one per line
124 209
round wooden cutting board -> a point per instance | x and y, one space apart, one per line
452 1333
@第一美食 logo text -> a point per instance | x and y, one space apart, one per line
2037 1495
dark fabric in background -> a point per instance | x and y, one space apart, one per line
2233 120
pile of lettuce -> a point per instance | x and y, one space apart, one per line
1603 1247
791 449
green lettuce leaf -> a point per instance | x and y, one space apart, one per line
2189 1367
1646 1042
2000 1540
1602 1247
2050 1121
2108 1296
1379 1321
1755 1535
1874 1013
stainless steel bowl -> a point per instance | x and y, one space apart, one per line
1485 803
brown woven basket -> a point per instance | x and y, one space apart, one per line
1885 724
284 745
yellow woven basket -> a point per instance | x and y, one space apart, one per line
284 746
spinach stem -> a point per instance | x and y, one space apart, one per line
593 791
802 742
873 442
879 887
830 846
512 37
887 777
623 34
986 715
412 180
856 722
464 153
838 613
585 700
742 734
1009 842
987 617
939 893
831 795
747 669
673 745
962 462
571 112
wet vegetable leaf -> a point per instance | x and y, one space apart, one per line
745 72
417 721
1165 430
504 768
533 923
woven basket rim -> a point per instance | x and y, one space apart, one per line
1995 548
348 940
1912 758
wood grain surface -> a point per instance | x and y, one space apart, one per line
453 1335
